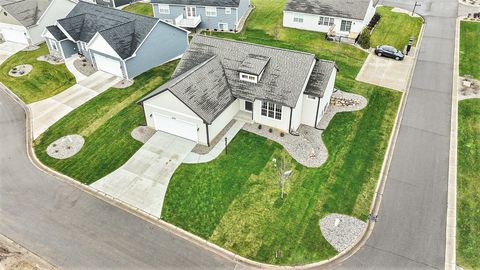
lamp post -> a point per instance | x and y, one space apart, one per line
415 6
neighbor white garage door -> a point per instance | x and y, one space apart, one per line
174 126
108 65
14 35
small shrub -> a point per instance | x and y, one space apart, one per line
364 39
270 130
259 126
282 134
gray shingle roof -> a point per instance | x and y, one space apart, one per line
56 32
213 3
317 84
27 12
124 31
351 9
254 64
282 81
204 89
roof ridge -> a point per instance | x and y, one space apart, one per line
190 71
254 44
117 25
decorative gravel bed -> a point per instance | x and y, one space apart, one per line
54 60
84 67
142 133
341 231
123 83
20 70
31 48
203 149
468 88
66 146
308 148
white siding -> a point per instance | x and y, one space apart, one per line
282 124
99 44
310 22
58 9
297 113
327 95
223 119
309 109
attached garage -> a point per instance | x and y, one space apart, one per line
172 125
14 35
109 65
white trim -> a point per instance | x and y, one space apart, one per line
64 31
229 10
224 23
172 111
164 6
211 8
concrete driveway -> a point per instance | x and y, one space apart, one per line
142 182
48 111
387 72
8 49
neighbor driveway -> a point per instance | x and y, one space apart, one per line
142 182
48 111
8 49
387 72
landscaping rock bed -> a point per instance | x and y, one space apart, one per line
31 48
308 148
341 231
20 70
471 2
468 88
66 146
123 83
54 60
142 133
83 66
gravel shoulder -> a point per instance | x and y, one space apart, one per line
15 257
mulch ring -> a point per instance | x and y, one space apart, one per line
54 60
66 146
20 70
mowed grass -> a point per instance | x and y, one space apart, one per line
468 193
470 49
140 8
395 29
105 122
234 202
45 80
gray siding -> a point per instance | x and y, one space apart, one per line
69 48
164 43
207 22
242 8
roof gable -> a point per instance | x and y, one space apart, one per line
26 12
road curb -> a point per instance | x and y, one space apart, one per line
340 257
450 239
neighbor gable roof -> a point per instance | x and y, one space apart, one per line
124 31
317 84
27 12
350 9
213 3
204 89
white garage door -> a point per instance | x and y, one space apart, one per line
108 65
175 126
14 35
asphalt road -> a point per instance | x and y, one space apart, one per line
75 230
411 230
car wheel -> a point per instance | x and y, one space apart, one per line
397 58
379 54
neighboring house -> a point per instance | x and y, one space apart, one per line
223 15
218 80
113 3
115 41
337 17
23 21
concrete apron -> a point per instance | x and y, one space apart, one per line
142 182
8 49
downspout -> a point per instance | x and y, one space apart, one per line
316 115
208 136
290 124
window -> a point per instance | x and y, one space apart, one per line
164 9
211 11
311 97
248 77
228 10
271 110
325 21
297 19
345 26
223 26
248 106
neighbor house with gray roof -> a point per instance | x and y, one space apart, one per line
218 80
23 21
115 41
221 15
345 18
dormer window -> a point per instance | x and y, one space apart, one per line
252 68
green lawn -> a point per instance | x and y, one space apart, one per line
470 49
395 29
234 202
468 193
45 80
140 8
105 122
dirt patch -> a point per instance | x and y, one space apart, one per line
15 257
468 88
20 70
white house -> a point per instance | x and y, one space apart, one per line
218 80
23 21
345 18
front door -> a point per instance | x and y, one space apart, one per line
191 12
248 106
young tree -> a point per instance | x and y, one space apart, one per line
284 170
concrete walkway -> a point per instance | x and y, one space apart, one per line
142 182
218 148
77 74
8 49
48 111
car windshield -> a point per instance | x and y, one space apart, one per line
390 49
